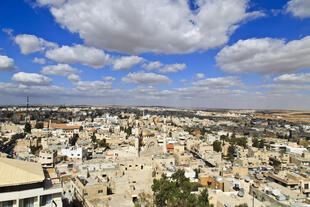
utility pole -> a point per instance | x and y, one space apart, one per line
27 110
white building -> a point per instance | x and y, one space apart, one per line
74 152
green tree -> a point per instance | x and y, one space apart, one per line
261 143
224 138
39 125
176 192
217 147
74 139
255 142
242 205
203 198
93 138
103 143
27 128
243 142
231 152
128 130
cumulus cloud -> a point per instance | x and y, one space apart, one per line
7 64
39 60
299 8
146 78
92 86
200 76
172 68
220 82
108 78
50 2
73 78
265 56
30 43
89 56
31 79
127 62
135 27
300 78
59 69
152 65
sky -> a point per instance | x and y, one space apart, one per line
234 54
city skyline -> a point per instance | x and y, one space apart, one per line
198 53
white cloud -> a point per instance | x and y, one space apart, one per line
100 93
39 60
183 80
88 56
152 65
300 78
7 64
161 26
172 68
200 76
31 79
92 86
30 43
127 62
73 78
60 70
108 78
146 78
50 2
265 56
220 82
299 8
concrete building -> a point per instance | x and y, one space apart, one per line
47 158
26 184
74 152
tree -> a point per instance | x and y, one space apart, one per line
261 144
231 152
242 205
27 128
74 139
203 198
224 138
128 130
93 138
39 125
102 143
217 146
243 142
177 192
255 142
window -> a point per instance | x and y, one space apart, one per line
47 199
85 194
307 186
28 202
49 158
6 204
100 191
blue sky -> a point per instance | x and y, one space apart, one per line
203 53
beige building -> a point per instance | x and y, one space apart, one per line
26 184
47 158
88 189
